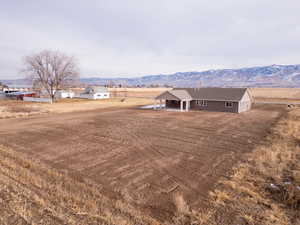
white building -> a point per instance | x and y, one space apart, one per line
64 94
94 92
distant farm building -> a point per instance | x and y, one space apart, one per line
94 92
64 94
235 100
19 95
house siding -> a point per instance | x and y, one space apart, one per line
217 106
215 97
245 103
95 95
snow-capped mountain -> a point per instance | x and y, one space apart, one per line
265 76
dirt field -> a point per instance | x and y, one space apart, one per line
33 193
145 155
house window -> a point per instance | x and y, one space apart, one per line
201 102
228 104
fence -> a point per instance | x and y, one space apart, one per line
30 99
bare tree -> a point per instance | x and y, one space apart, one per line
51 70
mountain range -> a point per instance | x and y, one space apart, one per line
262 76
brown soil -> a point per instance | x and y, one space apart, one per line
147 156
33 193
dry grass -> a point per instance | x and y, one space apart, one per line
266 188
12 108
22 109
181 204
72 105
277 93
32 193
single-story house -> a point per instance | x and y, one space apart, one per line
64 94
95 92
235 100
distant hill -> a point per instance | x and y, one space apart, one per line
264 76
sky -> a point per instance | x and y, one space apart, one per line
129 38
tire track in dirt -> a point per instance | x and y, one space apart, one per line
144 154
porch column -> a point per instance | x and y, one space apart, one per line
187 105
181 105
160 104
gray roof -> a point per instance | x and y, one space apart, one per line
213 94
177 94
95 89
181 94
221 94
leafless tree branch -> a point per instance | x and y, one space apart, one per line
51 70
